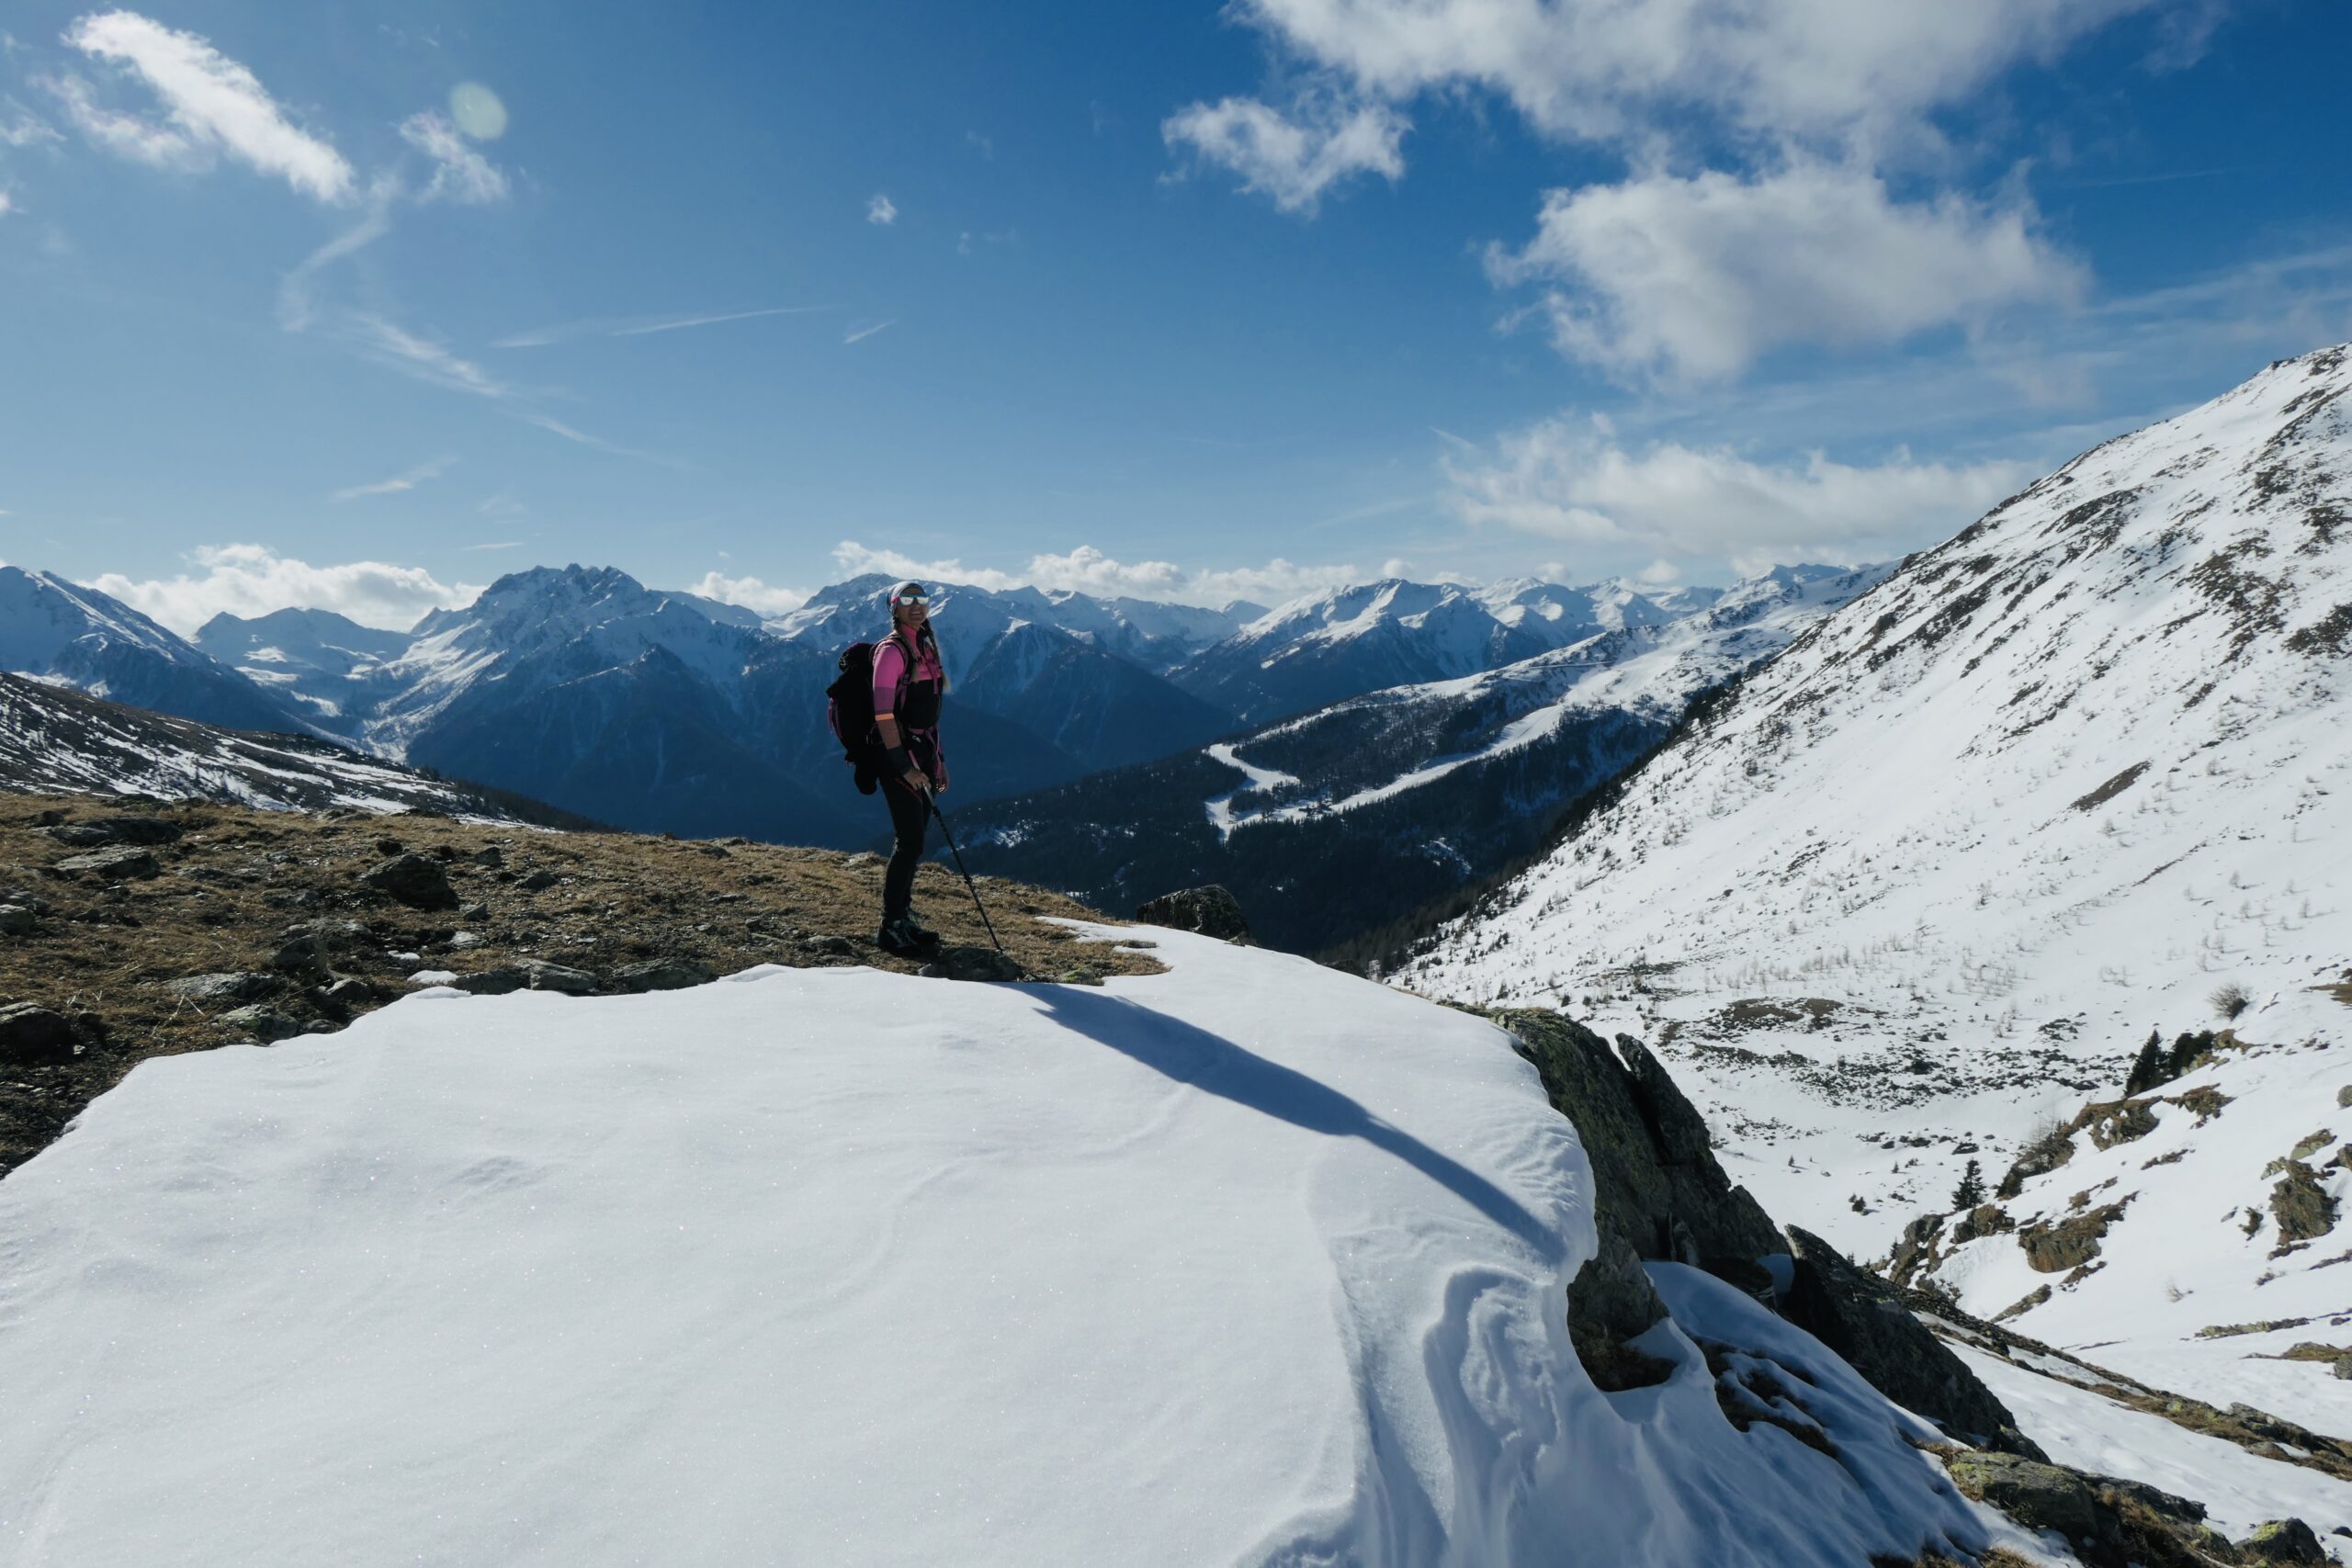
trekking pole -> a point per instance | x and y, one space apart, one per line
949 835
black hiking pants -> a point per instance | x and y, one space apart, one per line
910 815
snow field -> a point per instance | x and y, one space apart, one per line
1249 1262
2240 1490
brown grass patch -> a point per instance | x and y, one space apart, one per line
238 880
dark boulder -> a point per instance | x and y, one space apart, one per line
119 864
498 982
1210 910
979 964
540 975
137 829
34 1036
17 921
266 1024
208 990
2288 1542
2038 1496
417 881
1855 1313
663 974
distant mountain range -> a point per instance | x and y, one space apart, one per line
1328 824
666 711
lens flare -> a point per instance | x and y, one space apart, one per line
477 111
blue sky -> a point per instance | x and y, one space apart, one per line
361 306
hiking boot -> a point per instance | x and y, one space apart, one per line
903 938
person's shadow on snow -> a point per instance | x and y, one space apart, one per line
1214 1065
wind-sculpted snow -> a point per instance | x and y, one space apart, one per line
1943 864
1251 1262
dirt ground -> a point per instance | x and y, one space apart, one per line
237 885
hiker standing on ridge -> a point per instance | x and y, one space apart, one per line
909 680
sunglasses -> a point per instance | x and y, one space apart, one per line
917 600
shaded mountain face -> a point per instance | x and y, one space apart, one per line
54 738
64 632
1329 825
1942 865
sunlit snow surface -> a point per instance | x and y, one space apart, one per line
1247 1262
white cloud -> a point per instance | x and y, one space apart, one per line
296 303
398 483
460 174
7 204
859 334
1570 480
1292 161
211 103
1697 278
1088 570
253 580
881 210
1850 72
749 592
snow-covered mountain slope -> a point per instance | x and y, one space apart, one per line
1329 825
56 740
1249 1262
1559 616
2214 1236
1327 647
325 660
1942 865
1375 747
1155 637
61 631
1087 703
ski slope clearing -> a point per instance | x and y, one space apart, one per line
1939 869
1247 1262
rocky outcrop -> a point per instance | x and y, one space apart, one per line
2305 1211
2070 1243
1210 910
1856 1315
1657 1190
417 881
2287 1542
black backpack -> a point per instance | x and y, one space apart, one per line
849 708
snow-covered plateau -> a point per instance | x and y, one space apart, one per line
1250 1261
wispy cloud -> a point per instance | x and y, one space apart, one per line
881 210
460 174
859 334
398 483
297 293
428 361
640 326
557 427
25 128
498 545
213 104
